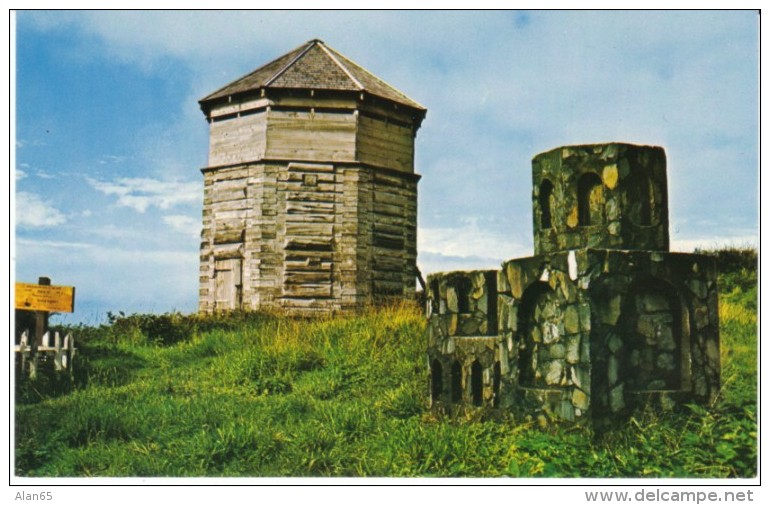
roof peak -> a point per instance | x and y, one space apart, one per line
316 66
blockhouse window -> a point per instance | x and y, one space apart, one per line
477 386
436 380
457 382
546 201
590 200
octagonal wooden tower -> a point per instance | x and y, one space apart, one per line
310 196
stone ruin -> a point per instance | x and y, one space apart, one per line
601 320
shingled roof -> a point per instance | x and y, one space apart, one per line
313 65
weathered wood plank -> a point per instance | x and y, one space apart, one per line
320 230
307 290
308 244
309 207
310 218
228 236
238 140
307 277
388 210
294 256
307 266
238 195
310 167
305 196
389 198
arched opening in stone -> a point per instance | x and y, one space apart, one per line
496 380
477 384
457 382
546 203
436 381
590 200
538 328
463 288
657 341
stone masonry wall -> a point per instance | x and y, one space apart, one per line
602 320
464 350
600 196
545 321
608 330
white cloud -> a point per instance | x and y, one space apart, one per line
142 193
20 174
465 247
159 280
53 244
33 212
109 159
184 224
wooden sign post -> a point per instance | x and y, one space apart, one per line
43 298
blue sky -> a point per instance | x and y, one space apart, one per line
110 139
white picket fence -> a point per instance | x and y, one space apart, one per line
62 352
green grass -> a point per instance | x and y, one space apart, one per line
262 395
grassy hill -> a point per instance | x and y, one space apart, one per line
264 395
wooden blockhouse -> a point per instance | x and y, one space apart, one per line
310 193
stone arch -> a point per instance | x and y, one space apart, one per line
456 380
655 323
546 203
436 380
537 315
590 196
477 384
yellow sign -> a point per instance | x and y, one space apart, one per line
45 298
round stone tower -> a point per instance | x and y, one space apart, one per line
310 199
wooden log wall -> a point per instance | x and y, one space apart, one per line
294 219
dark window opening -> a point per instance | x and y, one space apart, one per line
490 279
530 322
590 200
545 199
457 382
477 386
434 296
463 289
496 379
436 381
